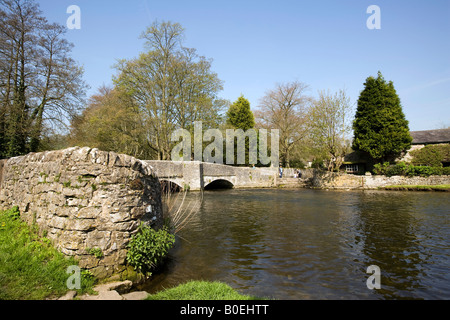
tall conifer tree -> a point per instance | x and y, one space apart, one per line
240 116
380 127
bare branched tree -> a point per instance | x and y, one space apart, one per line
40 84
285 108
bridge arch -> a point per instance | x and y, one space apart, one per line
219 184
170 186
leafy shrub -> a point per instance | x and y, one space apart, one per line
424 171
431 156
402 169
399 169
148 248
380 169
446 171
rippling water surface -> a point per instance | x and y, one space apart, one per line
315 244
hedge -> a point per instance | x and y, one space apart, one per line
402 169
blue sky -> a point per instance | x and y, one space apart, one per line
256 44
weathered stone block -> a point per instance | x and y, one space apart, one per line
72 240
98 239
57 222
81 224
89 213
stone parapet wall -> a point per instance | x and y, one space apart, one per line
88 202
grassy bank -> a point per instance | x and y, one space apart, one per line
201 290
444 187
30 267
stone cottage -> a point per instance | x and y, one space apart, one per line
359 163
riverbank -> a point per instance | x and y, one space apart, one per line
192 290
320 179
441 188
337 180
201 290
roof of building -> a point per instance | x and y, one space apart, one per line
356 157
431 136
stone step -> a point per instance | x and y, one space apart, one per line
290 183
110 291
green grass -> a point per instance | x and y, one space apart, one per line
443 187
201 290
30 267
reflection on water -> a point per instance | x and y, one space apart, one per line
315 244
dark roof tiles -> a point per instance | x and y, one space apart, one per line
431 136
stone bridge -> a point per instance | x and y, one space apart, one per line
195 175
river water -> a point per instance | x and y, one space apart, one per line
316 244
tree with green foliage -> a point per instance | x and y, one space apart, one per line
380 127
171 86
112 122
240 116
330 124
